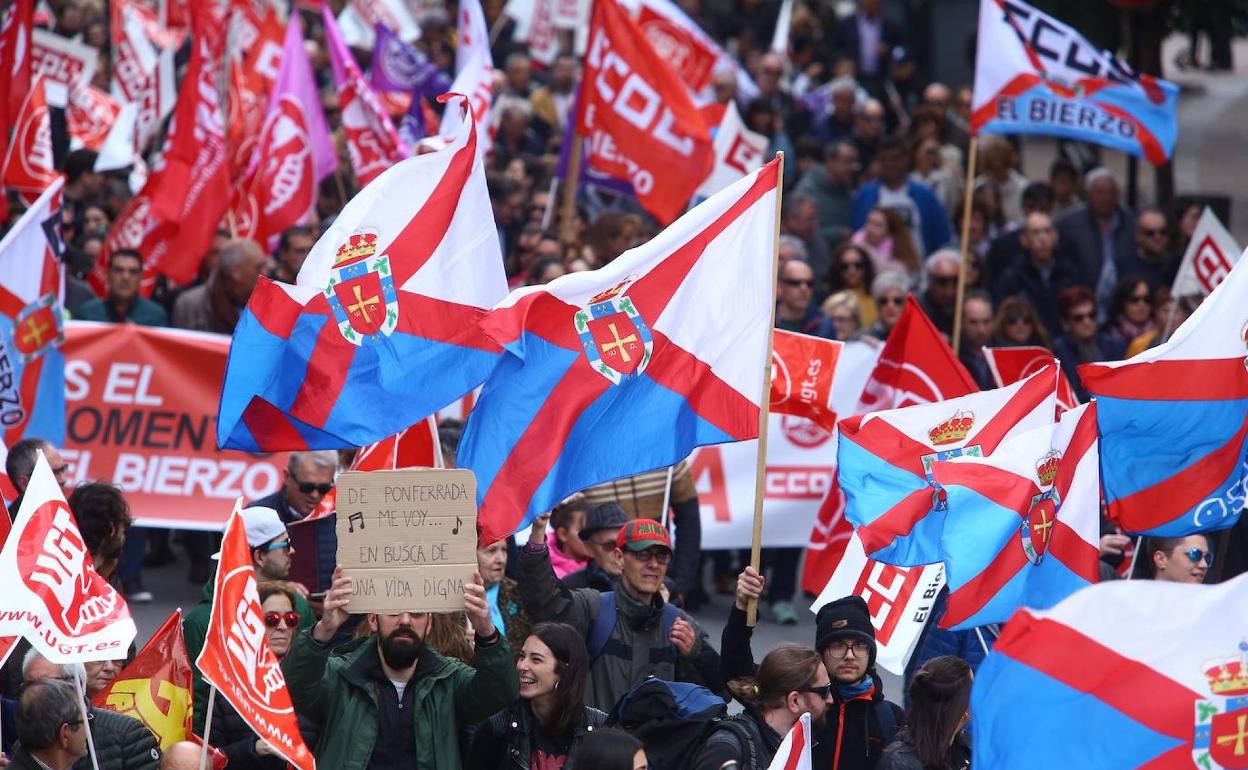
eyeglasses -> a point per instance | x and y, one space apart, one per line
276 546
823 690
1197 555
1010 320
76 722
1137 298
843 646
796 282
891 301
659 555
291 619
308 487
1149 232
1075 318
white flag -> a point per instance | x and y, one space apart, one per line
1210 255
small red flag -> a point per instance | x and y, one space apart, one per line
156 687
802 368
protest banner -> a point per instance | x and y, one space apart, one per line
63 62
407 539
899 599
141 405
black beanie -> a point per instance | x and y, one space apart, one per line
845 617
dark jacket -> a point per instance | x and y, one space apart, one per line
195 632
504 740
235 738
1025 279
851 736
726 743
1080 232
22 760
1111 349
121 743
143 312
590 576
899 755
637 648
336 689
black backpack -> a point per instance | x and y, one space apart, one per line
672 719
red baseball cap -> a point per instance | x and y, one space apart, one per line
640 534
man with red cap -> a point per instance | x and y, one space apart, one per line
631 633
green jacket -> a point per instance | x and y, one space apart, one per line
329 687
195 631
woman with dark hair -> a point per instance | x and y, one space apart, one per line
790 681
940 702
853 269
545 728
1130 309
1017 324
613 749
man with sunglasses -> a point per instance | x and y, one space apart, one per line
631 632
309 477
50 730
1179 559
271 555
795 294
940 294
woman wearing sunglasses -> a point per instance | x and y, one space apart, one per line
1016 324
888 290
1130 310
790 681
1175 559
230 733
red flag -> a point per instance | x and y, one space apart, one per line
90 115
156 687
190 189
916 366
252 78
802 368
15 34
638 117
372 142
126 232
28 165
236 658
415 447
1009 365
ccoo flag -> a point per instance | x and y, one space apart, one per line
1023 523
1128 673
884 461
628 368
380 328
1174 422
1036 75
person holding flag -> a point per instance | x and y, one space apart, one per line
388 699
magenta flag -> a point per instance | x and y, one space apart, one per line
296 82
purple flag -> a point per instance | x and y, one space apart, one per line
295 81
397 66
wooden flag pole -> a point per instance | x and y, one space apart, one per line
971 152
764 410
567 225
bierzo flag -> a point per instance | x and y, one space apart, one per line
1036 75
156 687
1129 673
629 367
236 659
53 595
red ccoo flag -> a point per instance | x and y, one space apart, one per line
638 117
916 366
236 659
156 687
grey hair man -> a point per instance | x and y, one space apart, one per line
51 731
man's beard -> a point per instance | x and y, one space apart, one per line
401 647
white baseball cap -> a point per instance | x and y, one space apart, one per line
262 525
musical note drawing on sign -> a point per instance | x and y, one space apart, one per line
458 521
357 516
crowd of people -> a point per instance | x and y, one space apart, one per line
548 664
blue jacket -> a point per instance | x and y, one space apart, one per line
936 228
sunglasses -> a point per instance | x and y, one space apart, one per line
276 546
891 301
1135 299
291 619
823 691
308 487
1197 556
1077 317
658 555
1017 319
944 280
795 282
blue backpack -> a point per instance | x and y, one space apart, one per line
604 624
672 720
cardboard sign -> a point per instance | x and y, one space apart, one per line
407 539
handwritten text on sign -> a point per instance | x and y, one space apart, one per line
407 539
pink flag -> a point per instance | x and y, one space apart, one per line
371 139
295 81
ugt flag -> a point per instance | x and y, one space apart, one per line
236 659
628 368
802 370
1128 673
885 459
53 595
156 687
1036 75
32 367
1174 422
380 328
1023 524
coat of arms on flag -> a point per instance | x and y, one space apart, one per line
951 431
1221 739
37 327
361 290
617 340
1038 523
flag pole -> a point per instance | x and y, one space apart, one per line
567 211
764 408
86 723
971 152
667 498
203 749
